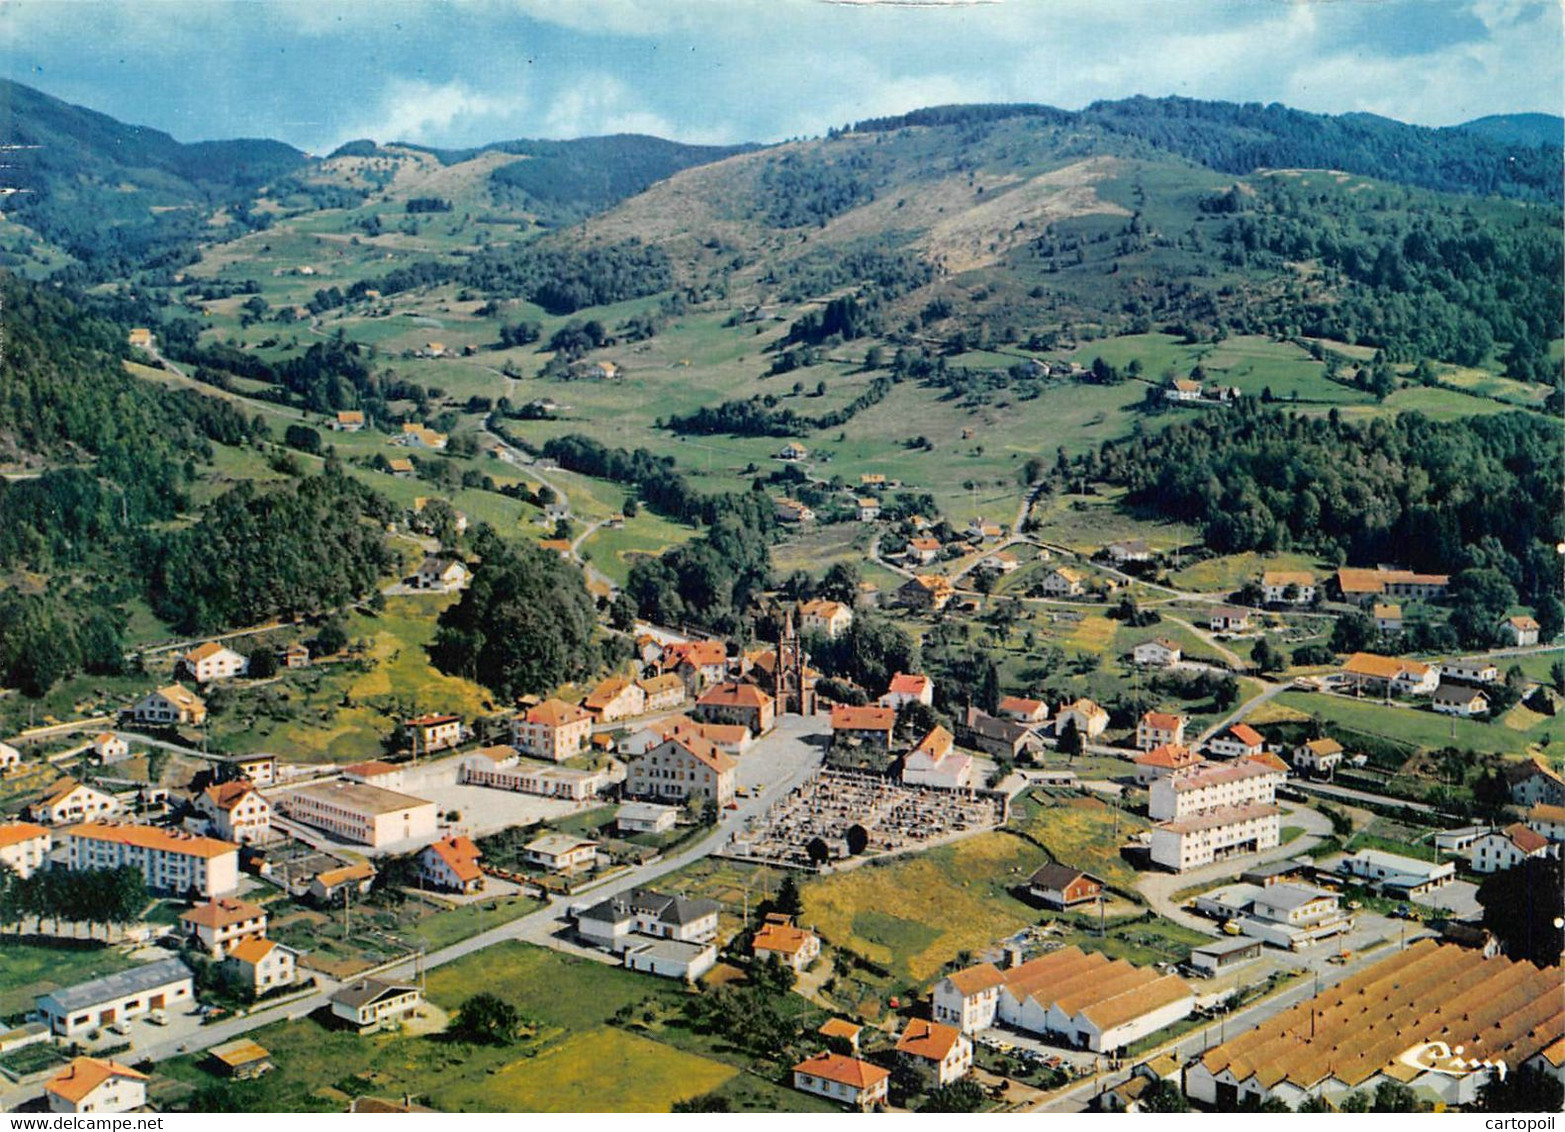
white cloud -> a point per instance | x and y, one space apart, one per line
423 112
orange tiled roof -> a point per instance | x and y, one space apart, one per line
223 912
1019 703
843 1070
203 652
1383 667
929 1040
372 768
460 855
1174 756
971 980
839 1028
1162 721
699 654
1525 838
252 950
606 693
937 744
147 837
846 717
908 684
734 695
556 713
1246 734
16 832
82 1076
227 795
785 938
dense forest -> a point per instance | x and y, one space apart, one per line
1479 495
524 626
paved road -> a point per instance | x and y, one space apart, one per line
782 760
1331 790
1159 888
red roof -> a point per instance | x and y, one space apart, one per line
372 768
845 717
929 1040
1246 734
1162 721
460 855
556 713
734 695
908 685
1174 756
700 654
85 1074
844 1070
1525 838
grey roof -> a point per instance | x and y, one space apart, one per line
1457 694
1226 946
644 811
1289 895
676 910
664 948
362 992
118 985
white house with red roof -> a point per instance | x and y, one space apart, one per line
263 965
1022 709
1163 761
212 661
908 688
452 864
845 1080
1502 849
944 1049
219 924
90 1084
1236 742
552 730
935 762
109 748
1157 728
781 938
236 811
24 847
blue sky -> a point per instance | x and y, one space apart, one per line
464 72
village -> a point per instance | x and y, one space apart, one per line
575 825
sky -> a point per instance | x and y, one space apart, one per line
461 73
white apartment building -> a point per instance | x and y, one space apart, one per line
368 815
1205 788
171 862
1214 835
24 847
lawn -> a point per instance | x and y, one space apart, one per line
1422 727
1228 572
615 550
600 1070
1085 833
28 970
914 914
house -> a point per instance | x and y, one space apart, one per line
683 766
1090 719
440 574
1458 699
874 479
792 511
259 769
499 768
345 881
1318 756
1388 674
177 863
1004 738
925 591
262 965
661 693
793 450
1532 783
935 763
908 688
968 999
733 702
869 725
172 706
1228 619
607 371
561 853
922 550
1237 741
841 1030
348 420
212 661
645 817
616 698
845 1080
368 1004
1471 670
90 1084
945 1050
377 772
1128 550
24 847
1388 618
1061 581
400 466
615 923
1419 1004
236 811
139 338
1156 728
1160 653
433 732
1519 631
1022 710
1547 820
868 508
107 748
1182 389
71 801
699 664
1363 586
367 815
1161 762
1288 587
73 1011
219 924
1060 886
11 758
451 864
1500 849
828 618
419 436
780 938
552 730
981 531
1000 563
1396 876
295 655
